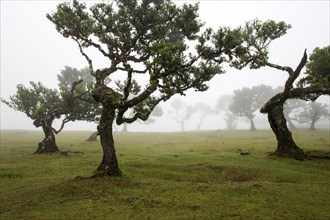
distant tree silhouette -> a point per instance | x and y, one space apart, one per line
312 113
223 104
182 112
247 101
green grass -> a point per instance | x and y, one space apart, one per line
193 175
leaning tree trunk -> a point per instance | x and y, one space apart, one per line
93 136
182 125
312 127
48 144
231 122
124 128
109 164
252 126
199 125
286 147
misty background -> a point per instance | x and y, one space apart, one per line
32 50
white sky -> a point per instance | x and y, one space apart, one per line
32 50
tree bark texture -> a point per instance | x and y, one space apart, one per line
109 164
48 144
286 147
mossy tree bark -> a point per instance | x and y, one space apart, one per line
109 100
48 144
286 147
109 164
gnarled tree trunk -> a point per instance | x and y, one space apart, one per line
48 144
286 147
109 164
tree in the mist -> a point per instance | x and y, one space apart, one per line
292 107
223 103
314 84
156 112
148 38
247 101
204 111
93 136
43 105
182 112
312 113
254 47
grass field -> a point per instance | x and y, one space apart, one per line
193 175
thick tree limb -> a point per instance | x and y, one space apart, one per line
308 93
294 75
283 68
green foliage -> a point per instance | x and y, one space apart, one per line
155 35
317 69
72 101
243 46
197 175
257 36
36 102
75 86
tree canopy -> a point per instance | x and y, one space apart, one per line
317 69
43 105
311 113
156 39
154 34
182 112
247 101
251 50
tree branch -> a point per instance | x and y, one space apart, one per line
294 75
64 121
308 93
90 62
283 68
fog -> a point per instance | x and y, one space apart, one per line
32 50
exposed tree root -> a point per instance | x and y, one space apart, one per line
106 173
318 155
66 153
299 155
